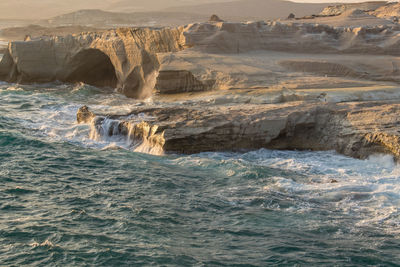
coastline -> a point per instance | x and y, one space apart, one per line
263 86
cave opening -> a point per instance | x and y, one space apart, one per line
91 66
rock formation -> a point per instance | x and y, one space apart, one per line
140 135
123 58
215 18
132 60
291 16
390 10
84 115
228 37
356 129
339 9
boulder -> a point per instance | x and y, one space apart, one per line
215 18
84 115
291 16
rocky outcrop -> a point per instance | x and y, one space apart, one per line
388 11
131 59
339 9
356 129
123 58
84 115
180 81
215 18
141 136
225 37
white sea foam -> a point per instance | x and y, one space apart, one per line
366 190
55 118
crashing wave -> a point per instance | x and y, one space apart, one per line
139 136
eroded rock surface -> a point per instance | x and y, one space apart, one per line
341 8
84 115
132 61
226 37
141 136
123 58
356 129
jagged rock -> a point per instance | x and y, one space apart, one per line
122 58
291 16
84 115
141 135
215 18
127 58
356 129
236 38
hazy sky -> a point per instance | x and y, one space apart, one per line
327 1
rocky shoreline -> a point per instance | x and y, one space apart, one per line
305 86
356 129
205 56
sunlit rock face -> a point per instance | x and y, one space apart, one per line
236 38
133 60
356 129
122 58
84 115
179 81
140 136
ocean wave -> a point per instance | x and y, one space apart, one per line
75 200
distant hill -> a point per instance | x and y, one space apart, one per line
153 5
339 9
254 9
388 11
105 19
41 9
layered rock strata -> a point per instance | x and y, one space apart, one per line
127 59
225 37
141 136
122 58
356 129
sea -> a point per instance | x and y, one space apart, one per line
68 200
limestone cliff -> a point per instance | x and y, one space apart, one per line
225 37
356 129
132 61
122 58
141 136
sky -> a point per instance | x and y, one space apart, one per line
327 1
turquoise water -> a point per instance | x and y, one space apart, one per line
66 200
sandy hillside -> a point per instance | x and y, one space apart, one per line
34 9
34 31
255 9
341 8
349 18
388 11
107 19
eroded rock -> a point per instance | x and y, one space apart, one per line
122 58
356 129
141 136
84 115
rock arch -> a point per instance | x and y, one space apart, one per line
93 67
